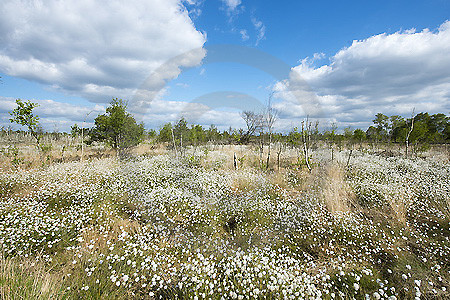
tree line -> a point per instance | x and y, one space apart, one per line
424 127
119 129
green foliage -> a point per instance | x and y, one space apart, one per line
396 121
372 134
212 134
330 135
191 135
239 137
151 133
359 135
348 134
24 116
294 137
165 133
13 152
197 134
427 128
45 148
181 131
75 130
419 132
117 127
382 123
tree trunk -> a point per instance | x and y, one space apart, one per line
278 157
268 153
305 151
181 145
261 151
305 146
349 156
174 145
407 136
332 153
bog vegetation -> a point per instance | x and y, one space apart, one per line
194 213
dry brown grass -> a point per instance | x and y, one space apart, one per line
399 208
337 194
22 278
29 156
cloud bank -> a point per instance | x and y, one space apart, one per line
96 49
388 73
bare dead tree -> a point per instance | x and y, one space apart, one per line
280 148
332 139
349 157
409 133
173 140
261 130
306 140
348 132
181 145
253 122
270 117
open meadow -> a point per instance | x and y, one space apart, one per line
224 150
153 225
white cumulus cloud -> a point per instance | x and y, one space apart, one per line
388 73
97 49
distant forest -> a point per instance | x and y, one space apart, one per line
423 128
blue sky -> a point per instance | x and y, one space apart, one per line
351 58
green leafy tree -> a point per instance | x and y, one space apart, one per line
395 122
227 135
197 134
330 135
75 130
165 133
359 136
181 130
213 134
348 133
23 115
419 133
446 132
436 126
427 128
151 133
382 125
117 127
294 137
238 136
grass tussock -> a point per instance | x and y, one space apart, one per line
338 195
27 279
